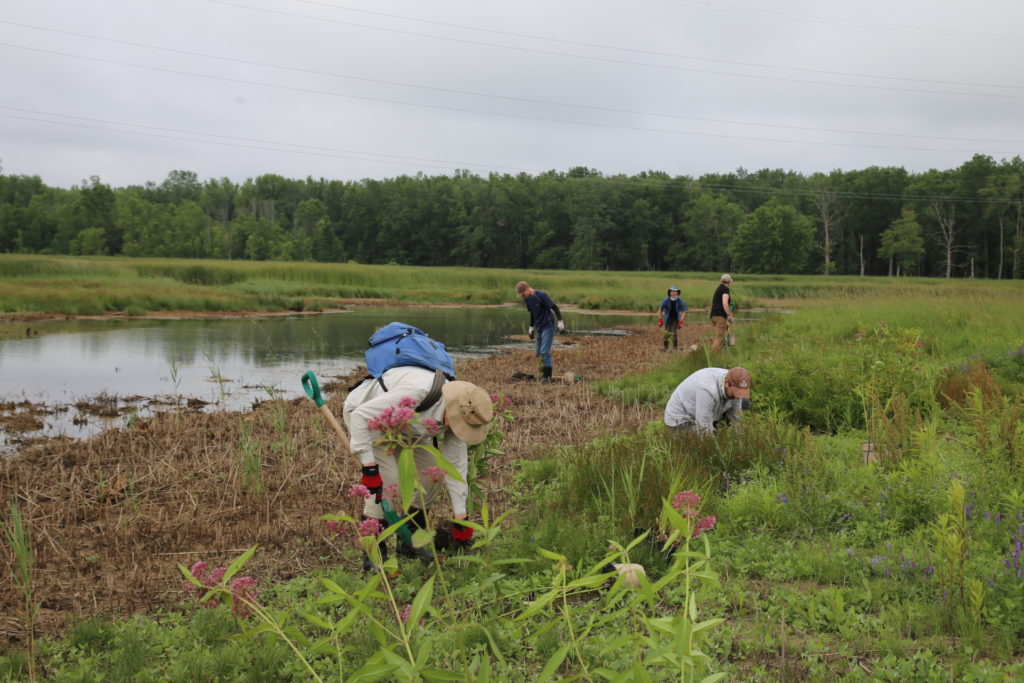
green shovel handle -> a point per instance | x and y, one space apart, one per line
312 388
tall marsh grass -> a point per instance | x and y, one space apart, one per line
65 284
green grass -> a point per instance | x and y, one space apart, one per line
98 285
830 568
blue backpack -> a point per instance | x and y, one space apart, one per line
398 344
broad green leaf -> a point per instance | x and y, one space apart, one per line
408 477
494 645
713 678
483 675
553 663
317 621
448 468
371 672
551 555
238 564
332 586
187 573
538 604
710 623
435 675
420 604
296 635
421 538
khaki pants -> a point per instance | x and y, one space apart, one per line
721 325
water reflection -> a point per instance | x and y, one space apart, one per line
226 362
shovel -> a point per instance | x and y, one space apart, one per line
312 388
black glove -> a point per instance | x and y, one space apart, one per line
372 481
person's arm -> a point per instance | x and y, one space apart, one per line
734 413
725 307
682 313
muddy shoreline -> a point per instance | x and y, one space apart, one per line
112 515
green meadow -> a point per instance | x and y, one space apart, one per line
74 285
869 510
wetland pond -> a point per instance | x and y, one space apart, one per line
77 377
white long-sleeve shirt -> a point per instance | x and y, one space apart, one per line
368 400
700 400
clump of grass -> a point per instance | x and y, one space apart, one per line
24 577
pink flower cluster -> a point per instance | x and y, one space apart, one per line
359 491
688 504
391 493
334 527
432 426
241 589
370 527
394 418
434 474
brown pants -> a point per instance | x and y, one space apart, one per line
721 325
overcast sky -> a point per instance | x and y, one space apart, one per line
129 90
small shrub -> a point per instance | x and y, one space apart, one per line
954 384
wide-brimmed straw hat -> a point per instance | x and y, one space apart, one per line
469 410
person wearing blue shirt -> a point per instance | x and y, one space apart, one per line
671 317
543 315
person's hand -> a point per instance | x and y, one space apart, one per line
561 326
372 481
660 322
531 332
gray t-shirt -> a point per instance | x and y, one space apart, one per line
700 401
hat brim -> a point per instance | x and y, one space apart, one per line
740 392
471 435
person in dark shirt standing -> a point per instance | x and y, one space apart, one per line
543 315
671 316
721 313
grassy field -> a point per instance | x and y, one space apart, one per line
101 285
824 563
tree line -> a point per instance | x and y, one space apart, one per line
962 222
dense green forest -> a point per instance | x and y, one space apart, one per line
963 222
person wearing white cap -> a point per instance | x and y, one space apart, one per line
462 416
721 314
706 397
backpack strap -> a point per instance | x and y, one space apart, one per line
434 395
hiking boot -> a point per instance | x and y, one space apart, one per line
406 549
546 374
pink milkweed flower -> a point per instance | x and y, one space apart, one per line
359 491
434 473
406 612
334 527
370 527
704 524
432 426
407 402
687 502
391 493
495 398
243 589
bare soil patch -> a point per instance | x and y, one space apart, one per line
110 517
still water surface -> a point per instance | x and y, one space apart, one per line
228 363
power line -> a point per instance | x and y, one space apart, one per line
521 117
793 16
617 48
610 60
506 98
328 152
